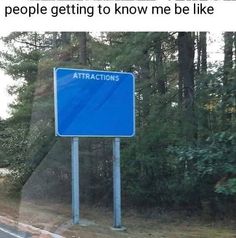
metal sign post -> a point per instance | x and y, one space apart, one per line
116 183
75 179
94 103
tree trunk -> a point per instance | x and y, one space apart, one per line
203 114
186 70
54 40
228 56
65 38
145 77
161 83
203 44
228 67
82 48
201 53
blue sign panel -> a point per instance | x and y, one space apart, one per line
91 103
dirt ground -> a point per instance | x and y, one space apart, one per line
56 217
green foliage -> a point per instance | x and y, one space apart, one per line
211 165
227 187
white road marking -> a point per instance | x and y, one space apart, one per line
10 233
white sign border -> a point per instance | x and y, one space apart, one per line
91 136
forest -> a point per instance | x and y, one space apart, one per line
183 156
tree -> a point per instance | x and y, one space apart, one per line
186 69
21 63
83 48
202 53
228 85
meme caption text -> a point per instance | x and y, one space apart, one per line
118 15
103 9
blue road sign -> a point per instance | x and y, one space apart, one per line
92 103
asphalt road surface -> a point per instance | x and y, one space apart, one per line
9 232
5 235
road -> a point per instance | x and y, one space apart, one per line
6 235
9 232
